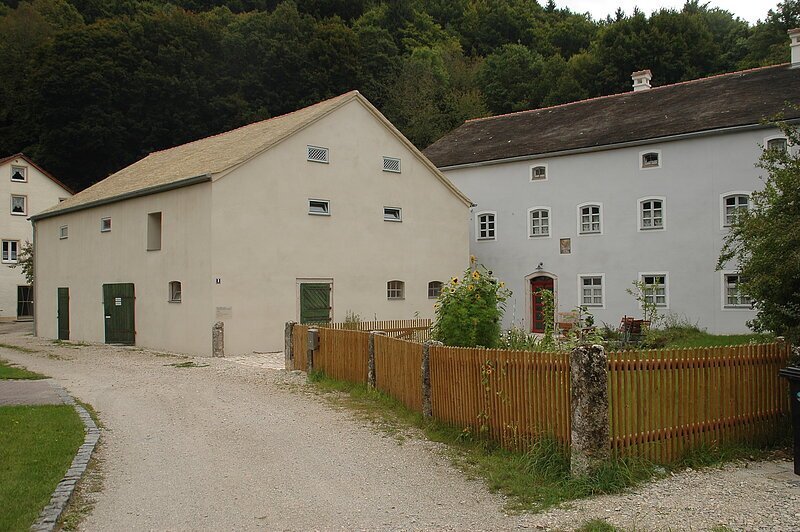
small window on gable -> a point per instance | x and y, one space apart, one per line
19 205
393 214
487 229
154 231
395 290
651 159
63 232
105 225
434 289
539 173
174 291
319 207
10 248
778 144
317 154
19 173
391 164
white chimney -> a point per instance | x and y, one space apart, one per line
794 36
641 80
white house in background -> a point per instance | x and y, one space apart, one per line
303 217
587 197
26 189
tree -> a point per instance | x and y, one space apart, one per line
764 241
25 261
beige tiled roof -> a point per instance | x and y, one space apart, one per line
208 156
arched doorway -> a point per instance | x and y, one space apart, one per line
538 284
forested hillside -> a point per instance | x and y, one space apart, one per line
89 86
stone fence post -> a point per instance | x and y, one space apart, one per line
288 346
371 376
589 416
427 407
218 339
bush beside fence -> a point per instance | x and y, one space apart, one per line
662 403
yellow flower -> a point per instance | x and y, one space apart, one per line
472 259
476 275
454 280
502 284
470 287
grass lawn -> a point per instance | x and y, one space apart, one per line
37 445
10 371
695 338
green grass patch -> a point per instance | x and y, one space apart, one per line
37 445
703 339
12 371
597 525
532 481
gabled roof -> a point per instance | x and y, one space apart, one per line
28 160
723 101
204 159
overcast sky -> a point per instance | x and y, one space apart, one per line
749 10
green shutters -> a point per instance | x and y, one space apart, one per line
118 304
315 303
63 313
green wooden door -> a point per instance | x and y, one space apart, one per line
118 303
315 303
63 313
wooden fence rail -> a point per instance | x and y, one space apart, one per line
417 330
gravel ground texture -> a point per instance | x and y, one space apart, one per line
238 444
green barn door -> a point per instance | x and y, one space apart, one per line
315 303
63 313
118 303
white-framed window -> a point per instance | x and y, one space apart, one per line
539 172
590 218
391 164
317 154
174 291
592 289
732 295
486 226
393 214
776 142
650 159
652 214
733 203
19 205
538 222
10 249
105 225
63 232
319 207
435 289
395 290
19 173
655 288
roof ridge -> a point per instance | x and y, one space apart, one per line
352 92
628 93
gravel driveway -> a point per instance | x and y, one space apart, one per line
240 445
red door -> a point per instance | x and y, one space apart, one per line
538 318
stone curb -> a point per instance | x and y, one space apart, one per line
63 493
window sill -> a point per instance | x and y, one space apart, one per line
173 300
592 233
739 307
319 214
19 214
538 236
19 180
485 239
395 299
395 221
12 262
154 249
651 229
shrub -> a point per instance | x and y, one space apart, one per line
469 309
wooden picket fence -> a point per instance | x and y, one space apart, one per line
663 403
417 330
513 396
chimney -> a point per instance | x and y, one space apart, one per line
794 36
641 80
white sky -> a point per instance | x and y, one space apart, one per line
749 10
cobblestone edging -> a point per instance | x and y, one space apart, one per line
63 493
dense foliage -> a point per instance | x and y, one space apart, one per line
469 309
765 242
90 86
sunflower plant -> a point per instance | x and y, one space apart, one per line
469 309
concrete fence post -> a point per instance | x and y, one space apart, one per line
288 346
589 413
427 407
371 376
218 339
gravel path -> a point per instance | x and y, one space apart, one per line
240 445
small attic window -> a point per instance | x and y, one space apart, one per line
539 173
651 159
391 164
317 154
19 173
777 144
